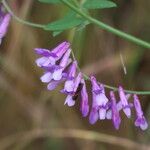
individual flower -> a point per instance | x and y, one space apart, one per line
100 101
72 95
53 83
4 23
119 107
69 84
50 57
140 120
115 112
84 106
125 105
58 71
55 72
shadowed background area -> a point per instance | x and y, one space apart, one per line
33 118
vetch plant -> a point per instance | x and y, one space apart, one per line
61 67
103 107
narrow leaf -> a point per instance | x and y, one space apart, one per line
98 4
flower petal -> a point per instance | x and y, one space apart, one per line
69 101
4 25
40 61
93 116
52 85
102 113
43 52
47 77
84 108
57 75
69 86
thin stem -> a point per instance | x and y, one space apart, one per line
107 27
86 77
116 89
19 19
119 33
111 87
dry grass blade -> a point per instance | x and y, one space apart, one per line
27 137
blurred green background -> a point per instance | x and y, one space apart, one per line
33 118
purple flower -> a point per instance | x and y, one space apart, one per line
119 107
70 100
100 101
93 115
115 112
125 105
140 120
50 57
55 72
69 84
47 77
4 22
84 108
56 63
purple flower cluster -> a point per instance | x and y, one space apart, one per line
4 22
60 68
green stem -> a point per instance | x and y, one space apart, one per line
20 20
107 27
116 89
105 85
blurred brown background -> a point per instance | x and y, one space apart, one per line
30 115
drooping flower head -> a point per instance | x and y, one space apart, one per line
59 68
140 120
99 104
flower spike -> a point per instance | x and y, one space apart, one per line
59 68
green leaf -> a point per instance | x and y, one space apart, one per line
50 1
83 25
55 33
69 21
98 4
